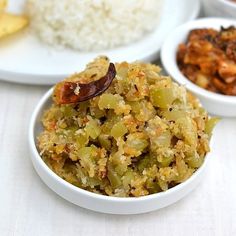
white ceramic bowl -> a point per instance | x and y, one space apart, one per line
217 104
222 8
96 202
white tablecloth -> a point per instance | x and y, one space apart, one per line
29 208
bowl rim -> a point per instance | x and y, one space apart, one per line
69 187
228 3
177 74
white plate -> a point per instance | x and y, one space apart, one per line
24 59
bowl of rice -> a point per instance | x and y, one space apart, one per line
93 25
140 145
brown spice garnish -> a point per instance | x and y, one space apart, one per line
74 92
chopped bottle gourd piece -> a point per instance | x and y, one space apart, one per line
87 159
104 141
92 129
166 161
82 139
127 178
108 101
113 177
163 97
164 139
135 144
195 160
136 106
68 111
118 130
173 115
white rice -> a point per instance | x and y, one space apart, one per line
89 25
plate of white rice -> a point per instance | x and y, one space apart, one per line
64 35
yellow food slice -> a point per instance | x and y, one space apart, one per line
10 23
3 4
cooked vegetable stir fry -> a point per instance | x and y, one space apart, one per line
143 135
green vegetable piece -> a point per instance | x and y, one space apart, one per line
210 124
113 177
87 156
118 130
108 101
173 115
110 122
128 177
163 184
135 106
87 152
162 98
121 168
144 163
137 142
104 141
166 161
164 139
82 139
68 111
153 186
97 113
92 129
188 130
195 161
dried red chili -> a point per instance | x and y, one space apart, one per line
74 92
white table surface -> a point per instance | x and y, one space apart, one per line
29 208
